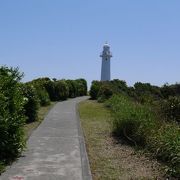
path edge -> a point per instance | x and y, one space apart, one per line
86 171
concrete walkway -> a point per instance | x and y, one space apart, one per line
55 149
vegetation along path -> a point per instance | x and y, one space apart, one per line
111 158
55 150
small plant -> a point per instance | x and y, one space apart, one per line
32 102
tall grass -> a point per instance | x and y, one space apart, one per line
140 125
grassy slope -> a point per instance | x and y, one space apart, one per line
28 128
108 158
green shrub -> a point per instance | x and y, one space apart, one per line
165 144
42 95
61 90
50 88
146 93
73 91
119 86
32 102
105 92
39 85
170 90
95 87
11 114
55 90
139 124
81 87
102 90
129 117
171 108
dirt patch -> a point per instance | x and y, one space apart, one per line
134 163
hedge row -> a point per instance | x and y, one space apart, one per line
142 92
44 90
166 98
103 90
12 118
20 103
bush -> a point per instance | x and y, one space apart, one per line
95 87
119 86
102 90
129 118
39 85
50 88
171 108
61 90
165 144
11 114
81 87
170 90
73 91
42 95
139 124
32 105
146 93
105 92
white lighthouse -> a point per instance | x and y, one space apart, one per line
106 66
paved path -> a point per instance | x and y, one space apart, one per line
55 149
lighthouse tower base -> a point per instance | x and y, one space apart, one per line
105 71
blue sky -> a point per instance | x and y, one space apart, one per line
63 38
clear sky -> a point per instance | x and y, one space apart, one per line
63 38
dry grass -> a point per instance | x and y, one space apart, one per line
108 158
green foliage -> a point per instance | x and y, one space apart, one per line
129 118
42 95
61 90
171 108
95 87
170 90
39 85
20 102
81 87
58 89
50 88
140 114
146 93
119 86
11 114
141 126
32 102
167 91
105 92
165 144
73 91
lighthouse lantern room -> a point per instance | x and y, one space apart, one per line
106 66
